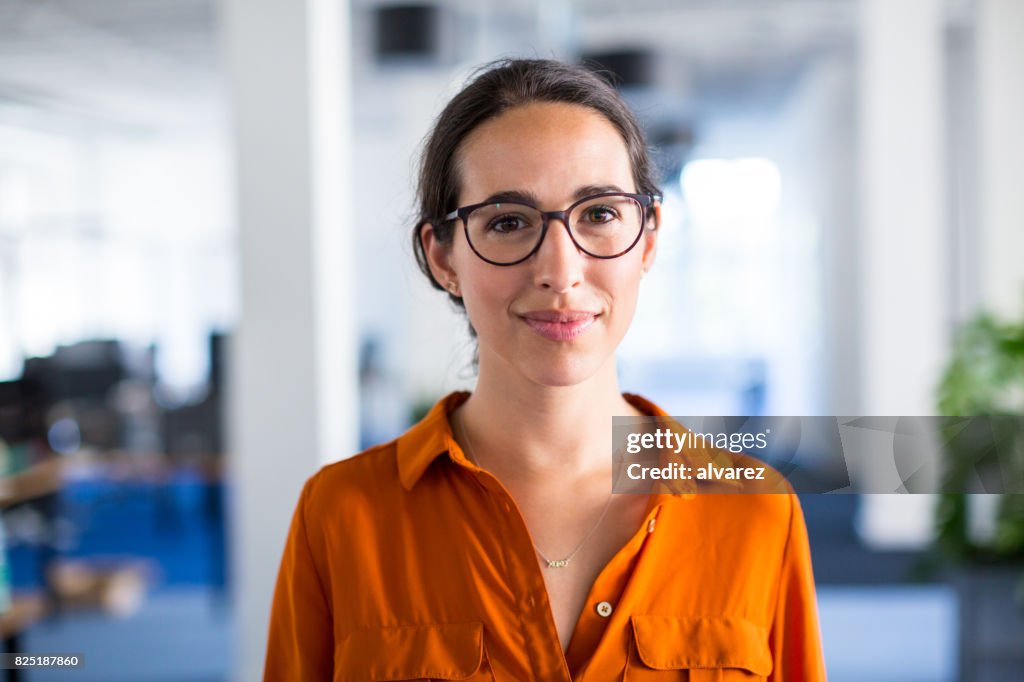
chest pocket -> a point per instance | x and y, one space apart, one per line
702 649
446 651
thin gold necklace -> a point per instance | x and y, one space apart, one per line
552 563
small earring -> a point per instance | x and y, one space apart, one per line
453 288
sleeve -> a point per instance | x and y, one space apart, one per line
301 642
795 637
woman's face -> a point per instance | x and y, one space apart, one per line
553 152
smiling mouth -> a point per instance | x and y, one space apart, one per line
561 329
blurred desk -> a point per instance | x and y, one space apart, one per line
25 610
38 480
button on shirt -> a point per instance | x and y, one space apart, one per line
400 564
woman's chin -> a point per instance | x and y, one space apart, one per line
568 372
558 367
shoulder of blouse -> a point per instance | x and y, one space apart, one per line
364 473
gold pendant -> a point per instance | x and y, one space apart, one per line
557 563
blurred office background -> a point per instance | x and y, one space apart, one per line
207 288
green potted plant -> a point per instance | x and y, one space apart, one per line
985 376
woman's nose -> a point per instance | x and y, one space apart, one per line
558 263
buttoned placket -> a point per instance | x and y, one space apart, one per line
523 573
602 609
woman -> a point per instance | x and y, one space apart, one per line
484 543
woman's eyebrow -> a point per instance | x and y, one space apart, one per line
513 195
588 190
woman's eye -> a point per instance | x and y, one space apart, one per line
506 223
600 214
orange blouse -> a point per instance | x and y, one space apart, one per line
407 562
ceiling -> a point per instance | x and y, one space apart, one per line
145 66
125 66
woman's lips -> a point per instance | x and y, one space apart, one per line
560 329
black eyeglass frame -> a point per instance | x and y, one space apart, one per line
646 201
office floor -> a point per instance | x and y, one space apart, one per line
889 633
884 634
181 634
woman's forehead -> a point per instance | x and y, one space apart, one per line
547 149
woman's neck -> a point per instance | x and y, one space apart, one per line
526 430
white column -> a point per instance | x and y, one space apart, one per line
903 234
999 39
292 372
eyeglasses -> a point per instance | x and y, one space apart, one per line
603 225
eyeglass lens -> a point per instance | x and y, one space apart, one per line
602 226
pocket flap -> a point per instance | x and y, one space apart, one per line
671 643
444 651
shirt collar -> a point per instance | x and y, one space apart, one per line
432 437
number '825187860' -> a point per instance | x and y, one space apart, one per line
40 661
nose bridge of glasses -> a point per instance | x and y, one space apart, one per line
563 217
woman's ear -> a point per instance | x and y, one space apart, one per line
438 256
651 238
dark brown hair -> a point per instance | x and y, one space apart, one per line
493 89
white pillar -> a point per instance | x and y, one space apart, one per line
903 235
292 373
999 40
